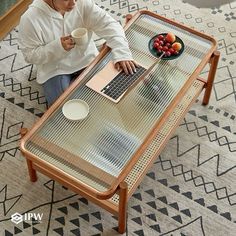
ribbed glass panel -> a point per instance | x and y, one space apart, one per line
112 133
155 147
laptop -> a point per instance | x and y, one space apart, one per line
114 84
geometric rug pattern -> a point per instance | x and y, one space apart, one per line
190 189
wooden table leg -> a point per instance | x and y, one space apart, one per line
211 76
123 194
31 170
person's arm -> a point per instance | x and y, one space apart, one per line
108 28
35 51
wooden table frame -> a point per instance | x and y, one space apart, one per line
121 187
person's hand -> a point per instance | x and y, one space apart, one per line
67 43
129 67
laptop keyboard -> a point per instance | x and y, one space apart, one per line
121 83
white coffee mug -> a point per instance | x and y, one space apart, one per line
80 36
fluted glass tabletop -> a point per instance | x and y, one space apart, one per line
96 150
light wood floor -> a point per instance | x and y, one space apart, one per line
11 18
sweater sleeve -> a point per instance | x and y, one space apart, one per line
108 28
34 50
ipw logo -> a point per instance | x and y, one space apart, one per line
17 218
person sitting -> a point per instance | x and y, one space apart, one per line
45 41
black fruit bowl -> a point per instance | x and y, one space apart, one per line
156 54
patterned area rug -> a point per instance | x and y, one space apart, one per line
191 188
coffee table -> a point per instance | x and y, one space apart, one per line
105 156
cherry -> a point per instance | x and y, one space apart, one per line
171 50
165 48
156 45
176 52
167 53
168 45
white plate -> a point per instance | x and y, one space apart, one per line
75 109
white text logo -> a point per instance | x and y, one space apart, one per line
17 218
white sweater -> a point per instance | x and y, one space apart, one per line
40 30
